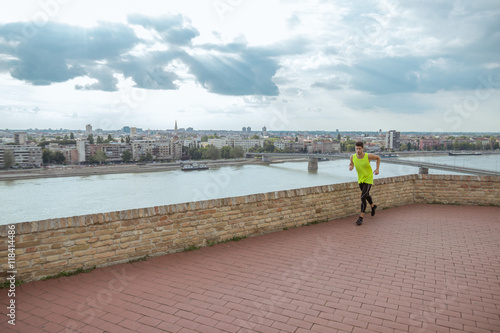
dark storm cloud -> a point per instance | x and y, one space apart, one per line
238 69
235 74
60 52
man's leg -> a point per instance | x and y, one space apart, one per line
365 195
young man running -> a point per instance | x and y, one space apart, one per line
361 161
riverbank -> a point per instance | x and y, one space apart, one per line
88 170
80 170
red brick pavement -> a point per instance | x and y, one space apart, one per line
416 268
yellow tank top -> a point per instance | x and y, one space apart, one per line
363 168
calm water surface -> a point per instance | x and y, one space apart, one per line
38 199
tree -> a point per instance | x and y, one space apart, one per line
127 139
126 156
100 156
212 153
59 157
268 146
8 158
195 153
225 152
72 136
492 142
110 138
99 140
46 156
90 139
237 152
204 138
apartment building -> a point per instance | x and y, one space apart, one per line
24 156
114 151
325 147
160 149
392 140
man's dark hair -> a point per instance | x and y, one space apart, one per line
359 144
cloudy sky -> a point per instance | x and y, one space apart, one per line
224 64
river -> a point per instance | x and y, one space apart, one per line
45 198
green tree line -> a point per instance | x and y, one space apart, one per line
213 153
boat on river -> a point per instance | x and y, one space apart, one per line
194 166
463 153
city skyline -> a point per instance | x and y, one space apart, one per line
285 65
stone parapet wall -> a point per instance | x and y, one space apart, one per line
457 190
49 247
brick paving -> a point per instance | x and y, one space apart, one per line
416 268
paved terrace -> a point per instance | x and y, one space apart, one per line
416 268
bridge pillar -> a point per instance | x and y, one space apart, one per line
423 171
313 164
266 158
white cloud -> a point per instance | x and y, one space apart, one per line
227 64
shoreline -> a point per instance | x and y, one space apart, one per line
78 171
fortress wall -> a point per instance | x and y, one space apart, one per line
49 247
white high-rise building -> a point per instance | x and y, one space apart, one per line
88 129
392 139
80 147
20 138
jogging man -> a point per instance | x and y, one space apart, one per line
361 161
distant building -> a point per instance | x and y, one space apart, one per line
88 129
24 156
133 131
290 146
126 129
264 131
326 147
249 129
20 138
392 140
243 129
219 143
114 151
80 147
159 149
246 144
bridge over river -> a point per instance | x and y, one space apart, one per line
423 166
